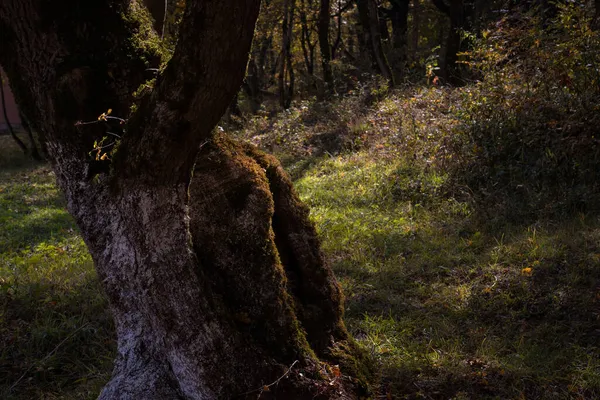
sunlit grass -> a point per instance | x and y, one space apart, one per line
452 307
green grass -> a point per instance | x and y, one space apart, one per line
56 335
450 304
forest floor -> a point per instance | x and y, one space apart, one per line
451 302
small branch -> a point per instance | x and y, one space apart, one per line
115 118
266 387
282 376
78 123
106 145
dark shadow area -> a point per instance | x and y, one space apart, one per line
27 231
56 339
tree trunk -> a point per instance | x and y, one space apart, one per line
416 25
369 19
306 40
399 17
324 18
252 87
286 69
460 13
216 284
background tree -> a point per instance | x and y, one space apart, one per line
286 67
324 19
32 150
216 282
369 20
18 141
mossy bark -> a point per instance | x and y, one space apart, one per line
210 263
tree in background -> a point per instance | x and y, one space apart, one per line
286 67
212 269
324 19
33 152
369 20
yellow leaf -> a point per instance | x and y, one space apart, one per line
109 111
104 157
527 271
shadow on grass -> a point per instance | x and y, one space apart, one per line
28 231
57 339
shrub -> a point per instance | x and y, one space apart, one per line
528 142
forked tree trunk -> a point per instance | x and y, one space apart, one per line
216 283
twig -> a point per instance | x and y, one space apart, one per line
45 358
262 389
115 118
87 123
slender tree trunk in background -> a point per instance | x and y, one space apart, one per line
252 86
217 285
416 18
18 141
460 13
369 20
338 36
399 17
324 18
448 67
286 70
305 40
380 57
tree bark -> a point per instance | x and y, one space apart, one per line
216 282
